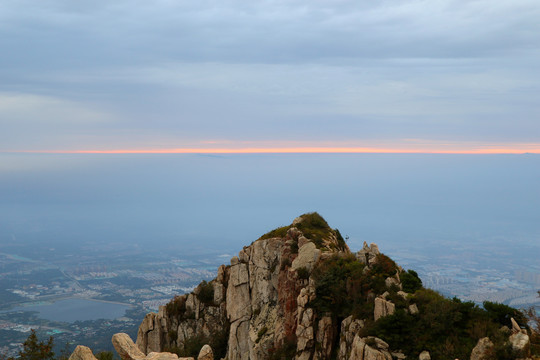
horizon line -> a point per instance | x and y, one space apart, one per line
291 150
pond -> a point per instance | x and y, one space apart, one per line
71 310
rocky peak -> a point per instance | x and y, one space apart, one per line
264 304
299 293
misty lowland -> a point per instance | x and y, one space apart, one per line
270 180
299 292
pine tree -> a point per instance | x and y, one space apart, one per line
33 349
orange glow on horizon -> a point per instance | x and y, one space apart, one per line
535 149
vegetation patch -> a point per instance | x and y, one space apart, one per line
447 328
206 293
339 285
410 281
276 233
192 346
285 351
177 306
303 273
315 228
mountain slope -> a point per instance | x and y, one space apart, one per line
298 292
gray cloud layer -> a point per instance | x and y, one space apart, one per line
169 73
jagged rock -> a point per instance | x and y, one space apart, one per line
150 334
349 329
126 349
424 355
325 338
383 308
413 309
392 281
398 355
483 350
206 353
515 326
520 343
368 254
82 353
304 331
164 356
361 351
403 294
308 255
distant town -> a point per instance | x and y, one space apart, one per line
140 280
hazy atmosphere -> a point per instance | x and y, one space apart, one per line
399 75
145 143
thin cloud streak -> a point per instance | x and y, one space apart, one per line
480 149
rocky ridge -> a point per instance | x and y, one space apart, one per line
262 303
299 293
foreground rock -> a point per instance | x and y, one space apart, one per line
82 353
127 350
125 347
483 350
206 353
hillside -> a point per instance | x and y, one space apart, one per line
298 292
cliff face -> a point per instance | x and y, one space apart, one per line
299 293
264 304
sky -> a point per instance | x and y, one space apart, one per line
270 76
207 123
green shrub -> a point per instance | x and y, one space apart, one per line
173 335
105 355
502 313
286 351
177 306
315 228
294 247
447 328
206 293
285 263
276 233
339 281
341 242
192 346
410 281
303 273
384 266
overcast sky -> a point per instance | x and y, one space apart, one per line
107 75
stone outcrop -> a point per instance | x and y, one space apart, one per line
150 336
307 257
82 353
413 309
206 353
262 302
424 355
368 254
376 350
127 350
125 347
349 328
520 342
383 308
483 350
519 339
